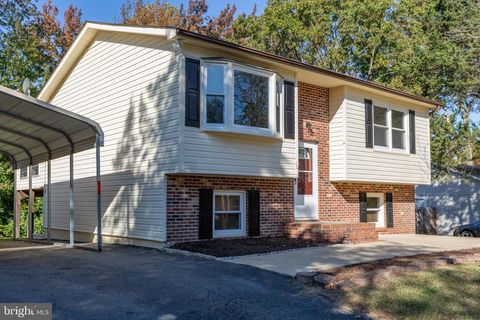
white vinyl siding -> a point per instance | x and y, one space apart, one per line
37 181
229 153
337 136
373 165
129 84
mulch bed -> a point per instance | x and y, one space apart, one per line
241 247
348 272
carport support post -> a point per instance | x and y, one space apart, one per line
99 195
49 200
16 225
72 212
30 203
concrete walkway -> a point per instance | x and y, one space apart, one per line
327 257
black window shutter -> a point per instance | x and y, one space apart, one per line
411 119
278 105
368 123
363 207
254 213
389 210
192 93
205 214
289 110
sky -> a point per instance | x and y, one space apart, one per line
109 10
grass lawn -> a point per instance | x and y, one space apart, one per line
447 293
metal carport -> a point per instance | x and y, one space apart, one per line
33 131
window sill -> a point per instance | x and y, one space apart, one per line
228 234
390 151
260 134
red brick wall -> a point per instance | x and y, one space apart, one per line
343 204
339 202
276 202
333 232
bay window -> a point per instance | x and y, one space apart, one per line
251 99
215 93
239 98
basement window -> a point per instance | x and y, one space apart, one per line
228 213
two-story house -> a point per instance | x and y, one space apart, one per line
207 139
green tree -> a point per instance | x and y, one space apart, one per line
193 18
430 48
32 42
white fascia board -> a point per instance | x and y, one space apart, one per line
168 33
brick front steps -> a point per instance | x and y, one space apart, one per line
333 232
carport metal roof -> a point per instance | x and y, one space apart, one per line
33 131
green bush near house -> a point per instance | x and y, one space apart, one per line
447 293
6 228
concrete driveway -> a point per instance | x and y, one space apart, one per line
137 283
327 257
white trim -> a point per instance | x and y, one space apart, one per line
203 94
168 32
314 196
381 210
243 215
389 127
182 102
345 132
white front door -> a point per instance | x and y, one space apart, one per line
306 186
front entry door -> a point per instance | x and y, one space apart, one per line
306 186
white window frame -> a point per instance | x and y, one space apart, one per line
405 123
229 125
26 169
20 173
380 223
243 216
204 93
38 170
390 129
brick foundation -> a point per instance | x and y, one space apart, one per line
334 232
276 203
